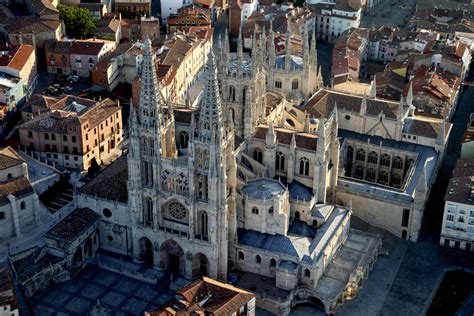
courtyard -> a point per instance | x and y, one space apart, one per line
124 296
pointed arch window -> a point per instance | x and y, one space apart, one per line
385 160
373 157
304 166
350 152
183 139
257 155
280 161
360 155
148 212
398 162
204 225
232 93
295 84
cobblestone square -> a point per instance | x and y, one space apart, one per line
106 278
134 306
92 291
113 299
146 293
78 305
123 295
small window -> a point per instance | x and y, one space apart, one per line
258 259
46 136
107 212
347 117
30 134
64 138
270 210
273 263
110 238
73 139
255 210
2 215
22 205
307 273
241 255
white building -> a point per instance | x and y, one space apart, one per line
457 230
333 19
19 204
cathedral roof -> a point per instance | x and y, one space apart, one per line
303 140
322 103
299 191
263 189
110 183
296 62
304 246
423 128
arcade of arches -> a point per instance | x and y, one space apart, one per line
170 256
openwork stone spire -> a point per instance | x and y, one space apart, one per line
150 112
210 111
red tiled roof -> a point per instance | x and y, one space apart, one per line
17 57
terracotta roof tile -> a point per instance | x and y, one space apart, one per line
17 57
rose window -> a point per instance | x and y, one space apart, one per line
177 211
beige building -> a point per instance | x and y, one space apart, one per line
75 132
20 62
85 54
180 61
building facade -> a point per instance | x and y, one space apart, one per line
19 205
75 133
457 230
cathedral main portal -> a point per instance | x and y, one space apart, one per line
172 257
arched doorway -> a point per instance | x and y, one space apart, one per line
88 250
297 215
77 258
172 256
200 265
317 302
146 251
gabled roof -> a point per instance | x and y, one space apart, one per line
17 57
18 187
71 227
9 158
322 103
88 47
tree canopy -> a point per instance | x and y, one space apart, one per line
78 21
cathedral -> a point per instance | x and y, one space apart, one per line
261 178
242 78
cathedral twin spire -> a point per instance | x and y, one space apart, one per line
151 112
210 109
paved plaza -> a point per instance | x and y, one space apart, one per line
124 296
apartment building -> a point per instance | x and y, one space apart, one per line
85 54
457 230
74 132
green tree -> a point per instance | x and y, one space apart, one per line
78 21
